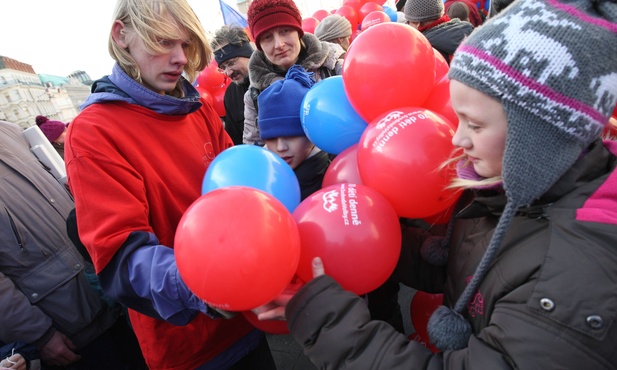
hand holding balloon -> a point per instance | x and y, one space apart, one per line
275 310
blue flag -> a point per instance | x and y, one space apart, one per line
231 16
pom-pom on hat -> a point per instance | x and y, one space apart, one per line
264 15
280 104
423 10
51 129
553 66
333 27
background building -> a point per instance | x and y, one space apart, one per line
25 95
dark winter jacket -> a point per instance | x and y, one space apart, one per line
446 37
310 173
234 110
43 288
549 301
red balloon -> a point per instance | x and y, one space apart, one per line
210 78
354 230
439 102
205 94
368 8
440 218
309 24
441 66
352 15
268 326
422 307
355 4
374 18
218 99
400 154
372 70
343 169
321 14
615 113
237 268
354 34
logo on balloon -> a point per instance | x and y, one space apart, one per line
391 116
349 203
352 210
329 201
392 128
306 108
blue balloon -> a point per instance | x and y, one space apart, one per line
391 12
328 118
256 167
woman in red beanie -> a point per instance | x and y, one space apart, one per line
276 27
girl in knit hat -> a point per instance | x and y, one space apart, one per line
529 265
276 26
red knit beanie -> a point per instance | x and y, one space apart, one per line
264 15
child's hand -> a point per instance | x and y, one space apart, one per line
275 310
318 268
14 362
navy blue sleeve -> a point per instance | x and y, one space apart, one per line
143 276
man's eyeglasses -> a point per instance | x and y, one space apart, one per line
227 64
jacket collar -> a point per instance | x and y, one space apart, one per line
120 87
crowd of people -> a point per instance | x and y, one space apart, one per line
527 263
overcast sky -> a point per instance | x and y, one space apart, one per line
58 37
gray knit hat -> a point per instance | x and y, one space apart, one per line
333 27
423 10
553 66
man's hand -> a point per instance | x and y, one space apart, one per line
58 351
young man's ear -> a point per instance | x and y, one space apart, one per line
118 33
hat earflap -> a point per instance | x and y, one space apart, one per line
447 328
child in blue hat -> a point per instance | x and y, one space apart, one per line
281 129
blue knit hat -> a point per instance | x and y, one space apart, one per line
280 103
553 66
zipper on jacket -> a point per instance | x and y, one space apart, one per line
16 233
